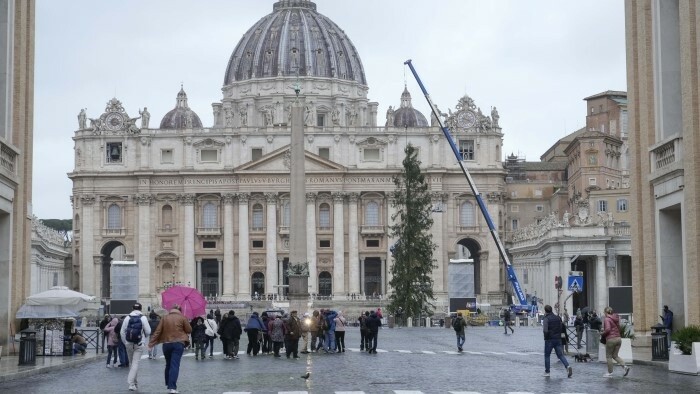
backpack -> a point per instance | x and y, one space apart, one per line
324 324
363 323
457 324
134 329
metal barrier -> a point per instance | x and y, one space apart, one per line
92 336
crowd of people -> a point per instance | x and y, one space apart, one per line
269 333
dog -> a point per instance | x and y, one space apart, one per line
582 357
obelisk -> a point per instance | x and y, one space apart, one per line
298 283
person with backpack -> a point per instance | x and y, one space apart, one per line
255 329
153 321
506 322
173 332
364 333
459 324
112 342
135 332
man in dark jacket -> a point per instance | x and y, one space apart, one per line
230 332
551 326
579 326
292 332
373 324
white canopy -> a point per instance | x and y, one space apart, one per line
57 302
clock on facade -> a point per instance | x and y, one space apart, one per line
466 119
114 121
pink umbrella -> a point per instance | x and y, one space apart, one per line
191 301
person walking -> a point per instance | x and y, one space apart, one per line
276 330
667 318
266 343
611 337
255 329
373 324
112 342
223 336
292 332
551 327
459 325
579 326
172 332
506 322
199 337
233 330
153 321
210 331
340 333
121 346
135 332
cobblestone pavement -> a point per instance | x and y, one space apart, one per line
409 360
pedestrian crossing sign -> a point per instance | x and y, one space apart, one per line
576 283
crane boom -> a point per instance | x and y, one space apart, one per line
492 229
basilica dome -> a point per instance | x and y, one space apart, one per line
293 39
406 115
181 117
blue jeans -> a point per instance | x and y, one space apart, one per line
330 340
121 351
555 344
460 340
172 351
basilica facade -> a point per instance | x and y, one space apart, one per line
208 205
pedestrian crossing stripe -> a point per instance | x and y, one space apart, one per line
394 391
402 351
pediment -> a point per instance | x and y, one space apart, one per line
279 160
208 143
371 142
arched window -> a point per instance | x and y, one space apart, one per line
209 216
324 216
286 214
258 284
167 217
372 214
466 215
325 283
114 217
258 217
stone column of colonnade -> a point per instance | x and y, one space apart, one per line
188 269
338 245
391 210
439 274
243 248
228 263
601 286
88 278
144 202
271 279
311 241
353 245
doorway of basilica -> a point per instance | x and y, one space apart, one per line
210 277
112 250
373 276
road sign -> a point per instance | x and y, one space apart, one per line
576 283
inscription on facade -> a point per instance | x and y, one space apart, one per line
384 180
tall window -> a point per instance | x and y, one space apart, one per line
466 215
167 217
324 216
622 205
466 149
514 224
372 214
209 216
114 217
602 205
257 217
325 283
286 214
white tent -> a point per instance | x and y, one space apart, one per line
57 302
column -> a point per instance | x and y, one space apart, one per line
601 286
271 278
353 246
226 268
88 276
438 274
188 269
220 281
144 202
391 210
338 245
311 241
243 248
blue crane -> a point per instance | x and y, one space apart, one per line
494 233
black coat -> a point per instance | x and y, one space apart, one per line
230 328
373 324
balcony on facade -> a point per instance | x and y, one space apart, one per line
257 230
367 230
208 231
114 232
8 160
166 230
467 229
666 156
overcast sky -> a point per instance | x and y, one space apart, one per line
534 60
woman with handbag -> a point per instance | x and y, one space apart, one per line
612 340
